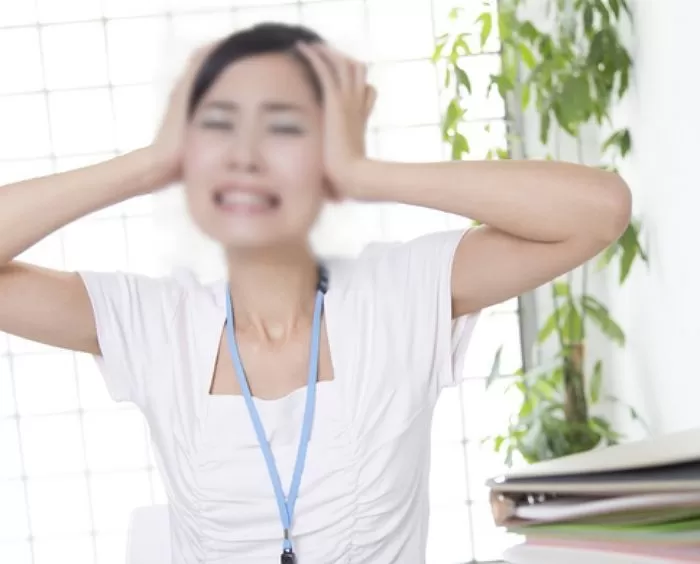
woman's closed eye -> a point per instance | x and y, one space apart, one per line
286 128
275 128
220 125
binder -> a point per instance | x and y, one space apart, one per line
638 500
525 554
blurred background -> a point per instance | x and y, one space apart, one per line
84 80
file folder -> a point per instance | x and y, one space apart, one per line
636 502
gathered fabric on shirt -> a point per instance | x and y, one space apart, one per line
364 492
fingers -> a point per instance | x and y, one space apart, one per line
337 72
343 67
352 74
329 84
346 93
198 57
360 80
194 64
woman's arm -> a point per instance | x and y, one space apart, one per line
51 306
32 209
541 218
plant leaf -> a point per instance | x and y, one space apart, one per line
624 82
502 154
486 26
526 408
572 326
545 125
453 115
460 47
631 249
620 139
600 315
544 389
574 103
526 55
463 78
596 382
615 7
460 146
588 19
551 324
502 82
607 256
561 289
440 43
634 415
454 13
498 443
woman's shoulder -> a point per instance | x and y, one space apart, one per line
395 261
151 297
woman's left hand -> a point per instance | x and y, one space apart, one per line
347 101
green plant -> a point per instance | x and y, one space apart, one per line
571 74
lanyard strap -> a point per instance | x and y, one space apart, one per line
285 504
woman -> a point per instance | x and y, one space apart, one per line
262 129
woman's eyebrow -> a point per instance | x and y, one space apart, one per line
269 106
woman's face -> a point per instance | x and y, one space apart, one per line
253 163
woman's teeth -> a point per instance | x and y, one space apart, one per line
249 200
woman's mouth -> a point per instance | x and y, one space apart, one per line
246 201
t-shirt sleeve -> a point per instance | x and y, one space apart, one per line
132 315
413 283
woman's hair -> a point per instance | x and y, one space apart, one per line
258 40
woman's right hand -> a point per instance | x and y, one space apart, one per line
168 144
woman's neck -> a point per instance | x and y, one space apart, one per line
272 290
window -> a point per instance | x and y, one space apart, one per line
82 85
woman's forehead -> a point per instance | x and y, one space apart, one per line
273 76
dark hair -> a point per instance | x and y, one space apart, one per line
257 40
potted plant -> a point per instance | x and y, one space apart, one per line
571 74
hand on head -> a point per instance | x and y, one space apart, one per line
169 141
348 102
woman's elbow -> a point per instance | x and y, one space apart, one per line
616 208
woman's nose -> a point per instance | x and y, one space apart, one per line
244 151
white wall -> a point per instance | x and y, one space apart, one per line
659 371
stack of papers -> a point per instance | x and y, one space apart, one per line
636 503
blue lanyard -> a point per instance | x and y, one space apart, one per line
285 504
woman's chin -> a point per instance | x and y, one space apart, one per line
253 233
246 242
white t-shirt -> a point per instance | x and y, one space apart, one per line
364 492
